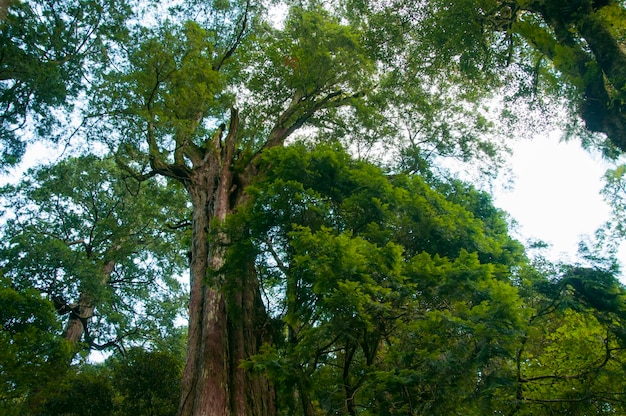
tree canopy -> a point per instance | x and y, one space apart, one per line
91 241
47 49
414 304
296 167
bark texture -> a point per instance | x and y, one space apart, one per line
79 317
226 314
83 311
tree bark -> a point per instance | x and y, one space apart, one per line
612 61
606 49
226 314
84 310
600 75
4 8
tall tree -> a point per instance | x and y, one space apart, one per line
175 116
200 96
92 242
199 101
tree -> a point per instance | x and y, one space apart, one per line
386 296
87 390
175 91
32 354
89 239
45 51
570 358
418 304
582 40
147 382
199 97
141 381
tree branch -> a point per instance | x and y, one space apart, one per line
283 128
139 177
238 39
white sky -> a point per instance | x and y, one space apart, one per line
556 195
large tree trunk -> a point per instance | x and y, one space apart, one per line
79 317
226 314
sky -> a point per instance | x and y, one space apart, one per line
556 194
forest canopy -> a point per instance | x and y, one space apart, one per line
252 215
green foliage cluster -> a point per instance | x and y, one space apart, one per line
32 353
83 235
84 242
147 382
390 296
140 382
315 54
45 49
174 78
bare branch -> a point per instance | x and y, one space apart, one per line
179 225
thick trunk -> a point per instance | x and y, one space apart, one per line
205 380
606 49
79 316
305 399
226 314
612 60
251 394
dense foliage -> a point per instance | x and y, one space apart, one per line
392 296
47 48
293 156
89 239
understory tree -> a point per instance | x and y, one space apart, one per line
91 260
386 295
569 359
32 352
142 381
